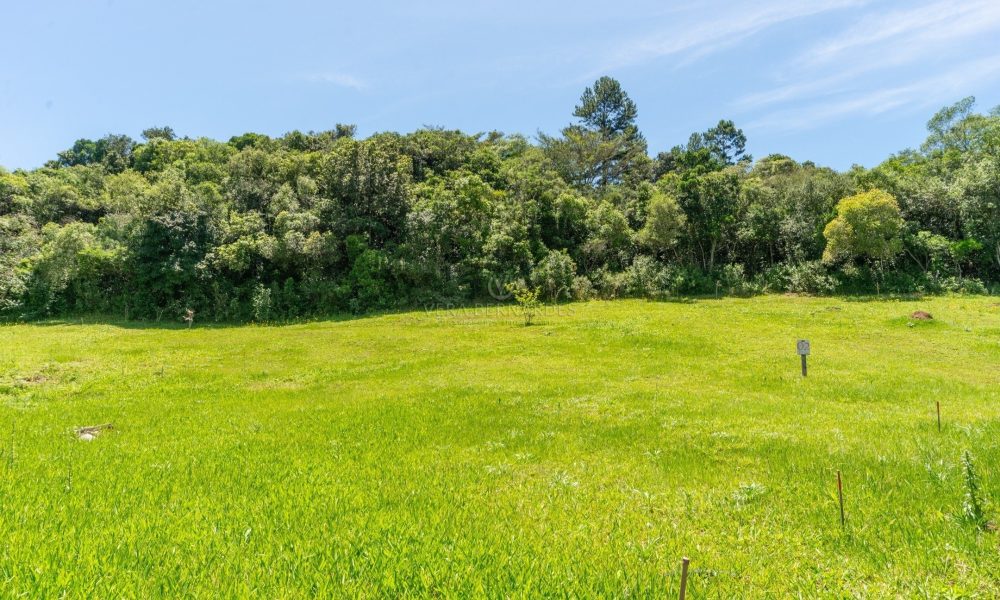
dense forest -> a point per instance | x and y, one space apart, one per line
261 228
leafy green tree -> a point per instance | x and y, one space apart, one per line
605 146
979 200
607 109
725 142
721 146
18 241
370 279
507 254
435 151
712 204
610 239
867 226
786 207
370 183
665 224
113 152
14 192
167 263
447 227
947 127
159 133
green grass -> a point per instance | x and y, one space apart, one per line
459 454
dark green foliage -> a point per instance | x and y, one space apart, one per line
315 223
167 263
114 152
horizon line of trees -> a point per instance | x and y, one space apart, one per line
262 228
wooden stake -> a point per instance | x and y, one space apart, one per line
939 414
840 496
805 369
684 576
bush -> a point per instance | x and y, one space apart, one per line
681 280
733 280
262 304
607 285
645 278
527 301
964 285
808 278
899 282
583 289
554 275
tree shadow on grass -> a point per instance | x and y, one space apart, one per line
138 324
341 317
179 325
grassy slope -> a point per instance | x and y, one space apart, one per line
459 453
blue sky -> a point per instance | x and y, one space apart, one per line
833 81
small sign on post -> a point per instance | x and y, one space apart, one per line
802 346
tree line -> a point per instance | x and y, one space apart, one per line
262 228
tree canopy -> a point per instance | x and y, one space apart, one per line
313 223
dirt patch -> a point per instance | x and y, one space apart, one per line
921 315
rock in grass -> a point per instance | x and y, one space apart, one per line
89 433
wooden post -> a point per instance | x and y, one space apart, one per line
684 576
805 369
840 496
939 414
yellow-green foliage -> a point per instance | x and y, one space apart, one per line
867 225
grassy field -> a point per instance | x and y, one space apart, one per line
459 453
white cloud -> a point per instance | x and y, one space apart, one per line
923 93
890 60
727 25
914 30
337 79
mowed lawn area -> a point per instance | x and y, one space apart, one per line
458 453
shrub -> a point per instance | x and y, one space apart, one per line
809 278
527 301
964 285
554 275
972 504
262 304
733 280
645 277
583 288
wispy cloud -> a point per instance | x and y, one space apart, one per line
925 48
334 78
918 95
728 25
912 30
